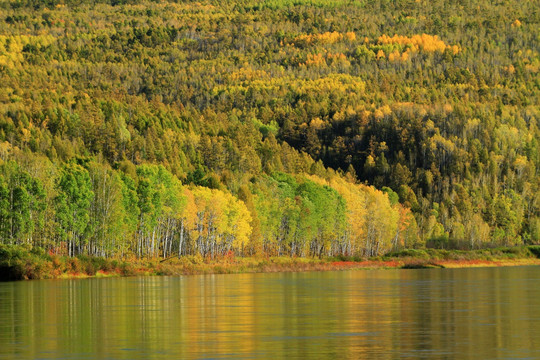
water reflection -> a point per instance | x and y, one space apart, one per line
465 313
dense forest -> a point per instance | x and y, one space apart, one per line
277 127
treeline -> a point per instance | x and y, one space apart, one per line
433 103
85 207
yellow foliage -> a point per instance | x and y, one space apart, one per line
386 110
405 56
509 69
520 163
381 222
424 42
395 56
339 56
324 38
447 108
338 116
532 68
329 37
315 60
372 222
223 215
25 135
11 47
350 36
317 123
364 116
333 83
325 59
5 150
338 83
350 111
354 196
190 210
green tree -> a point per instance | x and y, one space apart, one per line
72 205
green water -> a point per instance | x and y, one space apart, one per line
379 314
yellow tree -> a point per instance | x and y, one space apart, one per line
381 223
355 200
222 222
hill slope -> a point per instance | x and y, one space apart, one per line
170 128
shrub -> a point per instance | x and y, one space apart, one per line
535 250
127 269
74 265
414 253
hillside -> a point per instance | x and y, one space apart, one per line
301 128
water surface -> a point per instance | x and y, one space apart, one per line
385 314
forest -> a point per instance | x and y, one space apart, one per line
302 128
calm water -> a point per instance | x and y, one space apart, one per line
379 314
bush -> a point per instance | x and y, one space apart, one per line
535 250
74 265
89 268
414 253
195 259
11 272
127 269
13 262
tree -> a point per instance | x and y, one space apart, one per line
72 205
106 211
22 204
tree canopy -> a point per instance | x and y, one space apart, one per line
306 127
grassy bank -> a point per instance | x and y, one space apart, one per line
17 263
502 256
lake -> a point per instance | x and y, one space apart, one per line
485 313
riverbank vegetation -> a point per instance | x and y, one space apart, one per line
19 262
161 129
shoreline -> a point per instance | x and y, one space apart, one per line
217 268
18 263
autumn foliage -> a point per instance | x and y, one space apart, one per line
167 129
